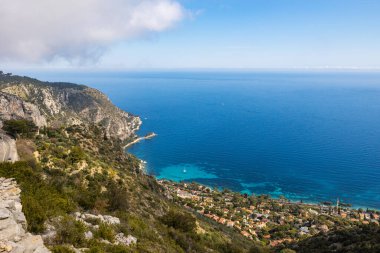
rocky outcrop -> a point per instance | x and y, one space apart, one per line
13 235
68 104
120 238
13 107
108 219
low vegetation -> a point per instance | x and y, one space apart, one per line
20 128
41 199
364 238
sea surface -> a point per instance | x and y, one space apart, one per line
308 136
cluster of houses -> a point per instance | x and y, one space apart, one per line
275 221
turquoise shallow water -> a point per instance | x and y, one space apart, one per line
181 172
308 136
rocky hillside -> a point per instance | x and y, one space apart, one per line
62 104
13 235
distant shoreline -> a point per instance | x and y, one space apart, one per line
137 140
289 200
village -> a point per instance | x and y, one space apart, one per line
262 218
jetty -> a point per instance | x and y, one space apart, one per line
137 140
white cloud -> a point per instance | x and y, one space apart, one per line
78 30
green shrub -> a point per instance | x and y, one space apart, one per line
17 128
96 249
229 248
61 249
140 228
105 232
86 199
117 196
34 213
179 220
77 154
118 249
70 231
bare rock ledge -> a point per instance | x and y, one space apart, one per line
13 235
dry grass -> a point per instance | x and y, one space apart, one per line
26 149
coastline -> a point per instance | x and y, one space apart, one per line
289 200
260 217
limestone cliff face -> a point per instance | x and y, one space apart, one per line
13 235
68 104
12 107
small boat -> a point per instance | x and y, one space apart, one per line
184 170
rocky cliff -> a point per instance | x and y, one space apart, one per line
57 104
12 107
13 235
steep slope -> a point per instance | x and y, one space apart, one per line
74 183
63 104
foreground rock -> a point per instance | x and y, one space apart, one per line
13 235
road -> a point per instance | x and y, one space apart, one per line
8 150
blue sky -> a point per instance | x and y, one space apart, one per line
251 34
263 34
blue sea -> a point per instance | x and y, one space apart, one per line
308 136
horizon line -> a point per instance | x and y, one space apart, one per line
232 69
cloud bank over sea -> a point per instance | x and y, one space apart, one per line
77 31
